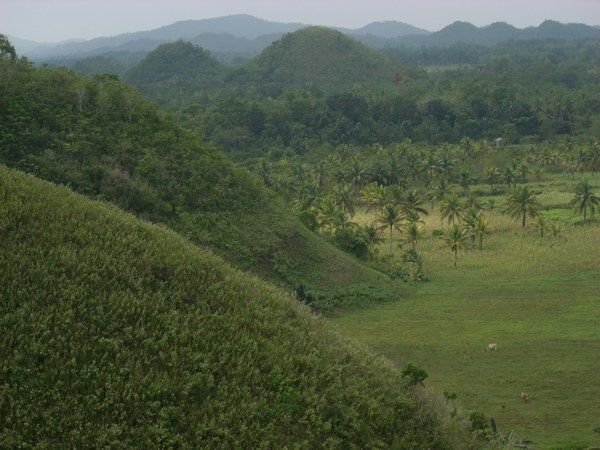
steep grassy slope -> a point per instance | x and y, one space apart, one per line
102 139
117 333
320 57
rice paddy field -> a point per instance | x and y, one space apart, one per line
537 299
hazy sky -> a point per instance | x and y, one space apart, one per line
53 20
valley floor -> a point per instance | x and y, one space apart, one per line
538 299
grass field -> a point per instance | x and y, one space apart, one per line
539 300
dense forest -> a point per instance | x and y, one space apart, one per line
529 92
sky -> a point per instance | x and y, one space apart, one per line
57 20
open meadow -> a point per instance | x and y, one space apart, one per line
537 299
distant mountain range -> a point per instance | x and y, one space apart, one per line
238 35
246 36
463 32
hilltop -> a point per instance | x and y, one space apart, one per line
117 333
104 140
240 26
388 29
321 57
181 66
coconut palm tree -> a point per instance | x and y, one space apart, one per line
343 196
416 258
480 229
413 233
521 202
541 224
547 158
412 206
358 175
371 236
492 175
521 170
446 164
327 214
455 239
375 196
310 195
585 199
451 209
391 219
594 157
470 218
571 166
320 170
439 192
340 221
509 176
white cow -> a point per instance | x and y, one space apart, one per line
492 347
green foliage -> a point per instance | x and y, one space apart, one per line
178 70
118 333
585 200
317 88
479 421
320 57
414 375
455 238
522 202
7 51
101 138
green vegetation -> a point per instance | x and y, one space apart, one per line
533 294
529 285
316 90
585 200
101 138
322 57
180 67
117 333
466 192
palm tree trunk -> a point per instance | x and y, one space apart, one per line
524 216
584 212
481 242
455 256
391 234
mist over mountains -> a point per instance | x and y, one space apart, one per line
244 36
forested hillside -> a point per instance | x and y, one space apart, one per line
102 139
181 67
318 57
117 333
523 93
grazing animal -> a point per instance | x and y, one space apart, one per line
492 347
525 397
467 355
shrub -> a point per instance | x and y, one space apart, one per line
414 374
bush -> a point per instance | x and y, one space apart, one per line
352 242
414 374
